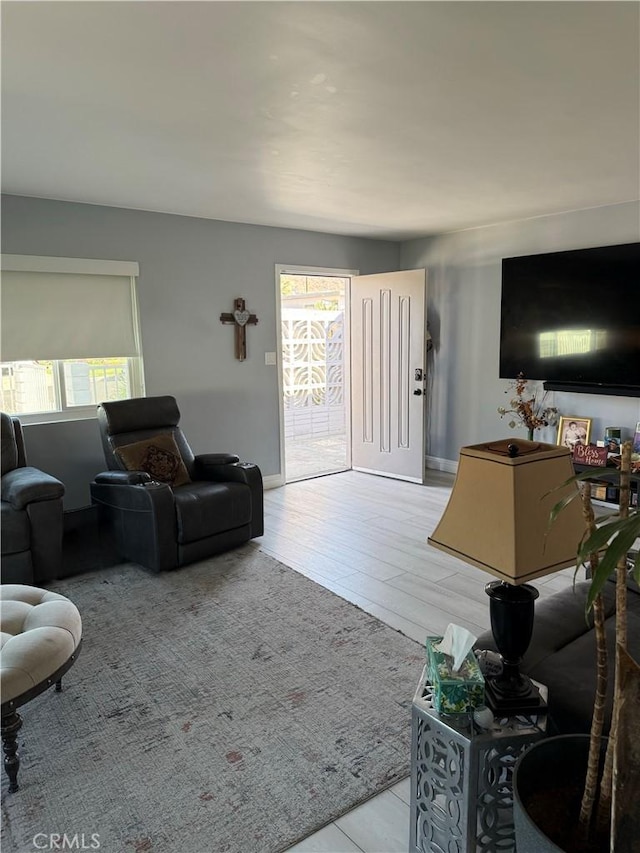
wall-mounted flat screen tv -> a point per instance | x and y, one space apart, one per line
573 319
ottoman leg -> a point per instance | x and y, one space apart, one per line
11 725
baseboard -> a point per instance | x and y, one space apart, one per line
387 474
447 465
273 481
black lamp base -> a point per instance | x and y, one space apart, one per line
507 702
511 611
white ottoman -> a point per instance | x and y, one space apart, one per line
40 638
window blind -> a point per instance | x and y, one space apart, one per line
67 310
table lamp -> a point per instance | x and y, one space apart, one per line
497 519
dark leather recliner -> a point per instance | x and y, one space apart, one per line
32 520
163 526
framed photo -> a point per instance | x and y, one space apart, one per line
573 430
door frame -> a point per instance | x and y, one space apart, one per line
301 269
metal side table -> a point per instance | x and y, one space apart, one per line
461 788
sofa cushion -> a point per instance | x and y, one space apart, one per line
16 530
570 675
158 456
205 508
561 619
562 654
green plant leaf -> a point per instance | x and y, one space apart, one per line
577 478
613 538
557 508
626 532
606 531
566 500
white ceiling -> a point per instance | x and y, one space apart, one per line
380 119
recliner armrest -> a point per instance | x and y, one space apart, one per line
142 519
212 466
23 486
209 468
123 478
147 497
240 472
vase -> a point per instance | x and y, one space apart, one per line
530 434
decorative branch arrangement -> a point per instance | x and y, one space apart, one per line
528 407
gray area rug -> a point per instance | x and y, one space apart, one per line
232 705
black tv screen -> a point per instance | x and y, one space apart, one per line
573 318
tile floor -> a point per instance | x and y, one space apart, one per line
364 538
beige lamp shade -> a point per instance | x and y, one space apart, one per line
498 514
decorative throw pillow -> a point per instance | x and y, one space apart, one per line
158 456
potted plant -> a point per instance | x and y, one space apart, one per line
605 772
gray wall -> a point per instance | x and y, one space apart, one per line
464 284
190 270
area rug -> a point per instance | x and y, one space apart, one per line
232 706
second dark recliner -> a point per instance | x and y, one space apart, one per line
32 520
164 506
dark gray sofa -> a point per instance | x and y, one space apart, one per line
31 513
562 652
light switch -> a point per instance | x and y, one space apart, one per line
269 358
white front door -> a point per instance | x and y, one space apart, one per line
388 328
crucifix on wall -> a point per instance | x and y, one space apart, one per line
241 318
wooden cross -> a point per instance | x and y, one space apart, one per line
241 318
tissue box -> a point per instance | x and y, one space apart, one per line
454 692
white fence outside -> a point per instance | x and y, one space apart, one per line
313 372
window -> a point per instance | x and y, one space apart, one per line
81 345
38 387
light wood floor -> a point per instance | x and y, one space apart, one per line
364 538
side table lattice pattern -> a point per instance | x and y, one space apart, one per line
461 778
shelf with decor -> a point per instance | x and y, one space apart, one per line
605 483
